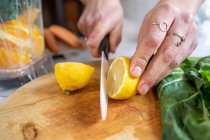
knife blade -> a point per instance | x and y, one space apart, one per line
104 50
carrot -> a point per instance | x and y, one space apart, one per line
50 41
66 36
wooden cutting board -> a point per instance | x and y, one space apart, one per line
40 111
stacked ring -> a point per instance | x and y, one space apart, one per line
164 27
178 35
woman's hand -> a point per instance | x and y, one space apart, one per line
101 17
168 33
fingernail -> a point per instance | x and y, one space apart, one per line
137 71
144 89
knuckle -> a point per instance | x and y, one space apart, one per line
99 16
140 61
94 17
153 40
176 61
166 6
187 18
169 54
151 79
89 19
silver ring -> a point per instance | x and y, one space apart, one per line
162 25
178 35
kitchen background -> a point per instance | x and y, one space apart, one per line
67 13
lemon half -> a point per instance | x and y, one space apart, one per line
120 84
72 76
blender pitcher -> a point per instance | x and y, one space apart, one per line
21 41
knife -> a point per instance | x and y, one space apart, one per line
104 50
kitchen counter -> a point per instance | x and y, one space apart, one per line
43 112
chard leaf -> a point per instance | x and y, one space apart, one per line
204 70
185 101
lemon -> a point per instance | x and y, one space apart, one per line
120 84
72 76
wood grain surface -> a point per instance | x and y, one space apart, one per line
40 111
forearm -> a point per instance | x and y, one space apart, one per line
190 6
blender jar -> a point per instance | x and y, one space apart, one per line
21 42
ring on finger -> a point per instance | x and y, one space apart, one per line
162 25
178 35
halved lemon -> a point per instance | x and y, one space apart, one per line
72 76
120 84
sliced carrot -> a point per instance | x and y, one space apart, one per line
50 41
66 36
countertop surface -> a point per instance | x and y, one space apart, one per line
40 110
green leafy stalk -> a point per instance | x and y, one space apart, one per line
185 101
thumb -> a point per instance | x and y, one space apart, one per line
95 38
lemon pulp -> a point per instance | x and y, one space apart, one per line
120 84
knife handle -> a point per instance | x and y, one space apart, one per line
105 46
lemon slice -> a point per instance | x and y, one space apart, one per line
72 76
120 84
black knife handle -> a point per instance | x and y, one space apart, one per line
105 46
